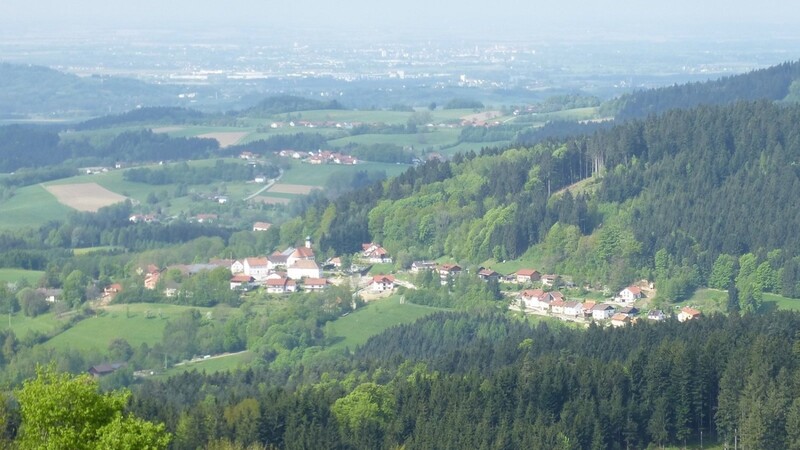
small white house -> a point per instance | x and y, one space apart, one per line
603 311
382 283
630 294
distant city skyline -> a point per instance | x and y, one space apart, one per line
498 19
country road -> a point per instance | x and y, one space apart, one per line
266 186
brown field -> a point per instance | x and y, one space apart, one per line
84 196
226 138
301 189
271 200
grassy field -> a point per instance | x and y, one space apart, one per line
22 325
439 137
14 275
31 206
357 327
231 362
120 321
780 302
318 175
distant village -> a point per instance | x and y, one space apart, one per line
297 270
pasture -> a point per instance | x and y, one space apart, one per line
357 327
31 206
137 323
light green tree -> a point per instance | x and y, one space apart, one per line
64 411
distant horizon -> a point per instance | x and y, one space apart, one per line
414 19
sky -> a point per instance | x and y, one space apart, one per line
495 18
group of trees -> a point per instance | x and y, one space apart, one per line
466 380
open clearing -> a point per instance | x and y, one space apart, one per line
301 189
85 196
226 138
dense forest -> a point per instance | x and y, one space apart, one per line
471 381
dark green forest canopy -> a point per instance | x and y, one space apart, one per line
467 381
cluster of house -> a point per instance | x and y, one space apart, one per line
620 313
320 157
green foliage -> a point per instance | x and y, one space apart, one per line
289 103
368 405
463 103
723 272
61 411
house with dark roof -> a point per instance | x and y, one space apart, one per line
104 369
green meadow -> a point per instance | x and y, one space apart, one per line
130 322
357 327
31 206
14 275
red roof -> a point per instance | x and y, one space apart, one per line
447 267
635 290
526 272
316 281
538 293
303 252
383 279
241 278
253 262
690 311
277 282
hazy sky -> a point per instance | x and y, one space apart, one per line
489 18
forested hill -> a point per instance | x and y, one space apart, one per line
710 180
290 103
773 83
26 89
454 381
696 184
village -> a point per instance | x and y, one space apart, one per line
527 290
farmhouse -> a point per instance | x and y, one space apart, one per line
527 275
261 226
240 280
620 320
375 254
688 314
549 280
105 369
630 294
315 284
280 285
603 311
382 283
656 315
536 299
488 274
573 309
448 270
